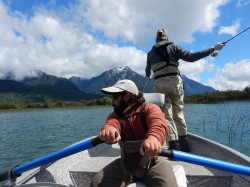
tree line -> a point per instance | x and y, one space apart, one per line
220 96
213 97
58 104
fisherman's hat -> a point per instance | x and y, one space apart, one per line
121 86
161 37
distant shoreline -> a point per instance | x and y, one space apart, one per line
59 104
14 102
91 103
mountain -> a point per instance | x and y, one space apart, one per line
41 88
44 87
43 79
9 86
194 88
109 77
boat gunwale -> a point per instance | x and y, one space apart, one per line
221 146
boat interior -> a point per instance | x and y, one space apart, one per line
78 169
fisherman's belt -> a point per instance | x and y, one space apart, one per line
166 75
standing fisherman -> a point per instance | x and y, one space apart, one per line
163 60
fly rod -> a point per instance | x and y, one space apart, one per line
225 42
145 85
236 35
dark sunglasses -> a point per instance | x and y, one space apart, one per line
118 94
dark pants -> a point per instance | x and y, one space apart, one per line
159 175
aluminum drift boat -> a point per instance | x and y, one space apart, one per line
75 165
78 169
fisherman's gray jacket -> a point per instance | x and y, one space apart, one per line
163 60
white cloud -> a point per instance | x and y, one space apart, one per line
232 30
242 3
233 76
137 21
195 69
45 43
66 43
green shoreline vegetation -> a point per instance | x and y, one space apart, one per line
220 96
17 101
57 104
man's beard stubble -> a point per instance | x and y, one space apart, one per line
120 108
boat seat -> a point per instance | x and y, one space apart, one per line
156 98
179 174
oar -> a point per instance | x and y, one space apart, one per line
15 172
206 161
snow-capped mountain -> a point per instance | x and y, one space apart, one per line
109 77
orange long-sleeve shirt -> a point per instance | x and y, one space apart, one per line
135 130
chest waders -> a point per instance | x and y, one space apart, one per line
133 164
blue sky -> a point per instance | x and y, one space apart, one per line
84 38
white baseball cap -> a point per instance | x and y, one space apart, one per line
122 85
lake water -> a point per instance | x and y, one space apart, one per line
29 134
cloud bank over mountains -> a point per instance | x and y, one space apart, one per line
84 38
